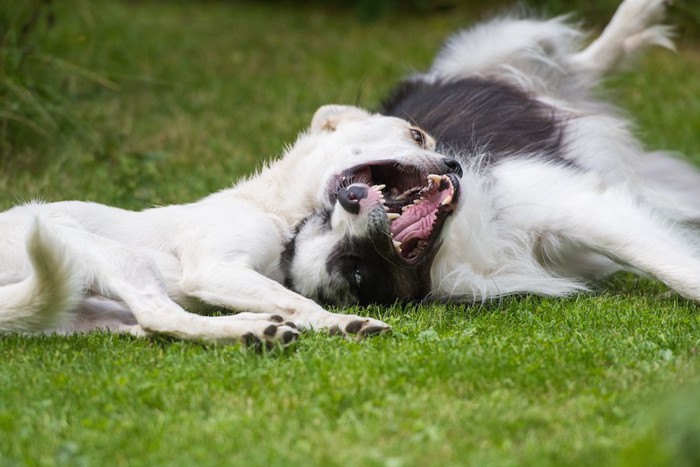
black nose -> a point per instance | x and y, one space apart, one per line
452 166
350 197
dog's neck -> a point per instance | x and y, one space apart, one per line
287 188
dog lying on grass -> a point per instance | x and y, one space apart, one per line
555 189
76 266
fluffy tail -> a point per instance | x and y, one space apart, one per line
548 55
44 299
527 46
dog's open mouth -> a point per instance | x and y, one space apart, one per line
416 203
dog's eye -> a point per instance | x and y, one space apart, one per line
418 137
357 276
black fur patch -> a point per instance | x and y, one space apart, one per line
288 337
478 116
354 327
289 250
383 278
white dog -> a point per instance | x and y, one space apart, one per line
555 189
75 266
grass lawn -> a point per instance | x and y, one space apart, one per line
188 97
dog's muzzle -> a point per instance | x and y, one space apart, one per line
452 166
349 198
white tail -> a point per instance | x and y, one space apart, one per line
42 300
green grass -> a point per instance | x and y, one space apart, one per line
205 93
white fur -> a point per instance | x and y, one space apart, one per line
74 266
532 224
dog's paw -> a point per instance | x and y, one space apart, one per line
272 335
639 17
359 327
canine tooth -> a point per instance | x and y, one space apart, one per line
397 245
393 215
446 201
434 178
380 187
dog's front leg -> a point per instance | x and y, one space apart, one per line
240 288
113 270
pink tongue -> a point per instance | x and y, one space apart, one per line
415 222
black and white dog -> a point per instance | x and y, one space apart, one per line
554 189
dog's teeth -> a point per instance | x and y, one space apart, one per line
407 193
393 215
397 245
446 201
386 208
403 209
380 187
435 178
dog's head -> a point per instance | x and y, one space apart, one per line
375 238
347 144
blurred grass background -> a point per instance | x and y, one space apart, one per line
70 79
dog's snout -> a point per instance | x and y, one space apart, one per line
350 197
452 166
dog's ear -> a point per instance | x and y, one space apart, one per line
329 117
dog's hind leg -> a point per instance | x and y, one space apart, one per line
607 220
672 184
637 237
631 29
